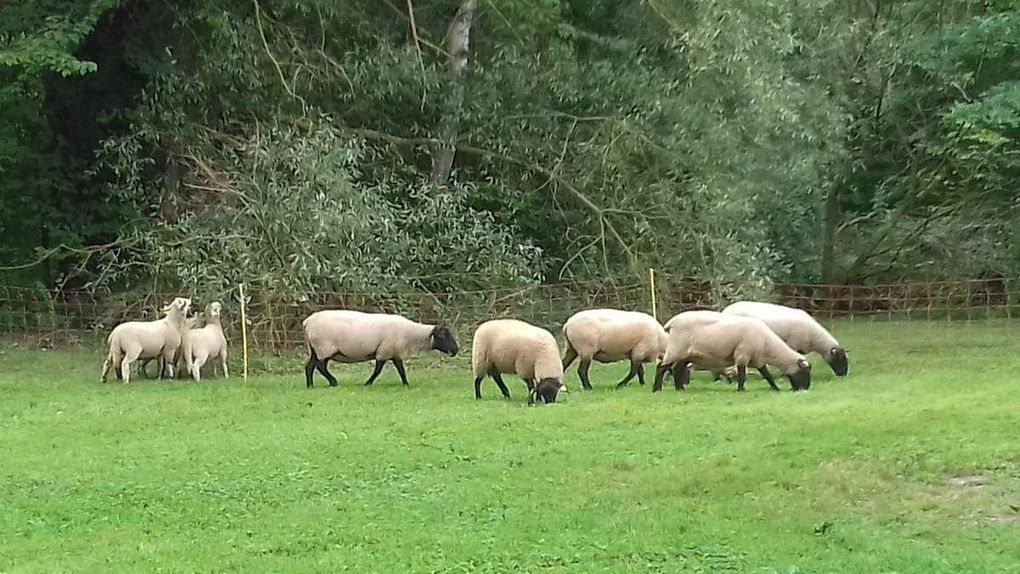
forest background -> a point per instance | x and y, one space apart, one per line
441 145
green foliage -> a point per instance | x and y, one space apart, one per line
750 140
916 465
287 208
41 36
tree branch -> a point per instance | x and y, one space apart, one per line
577 194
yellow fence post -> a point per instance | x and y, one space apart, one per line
244 331
651 282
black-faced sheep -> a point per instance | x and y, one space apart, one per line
609 335
509 346
355 337
798 329
715 343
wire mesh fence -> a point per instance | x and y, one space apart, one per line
37 317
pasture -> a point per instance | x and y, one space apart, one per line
910 464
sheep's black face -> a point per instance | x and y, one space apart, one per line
838 361
546 390
800 378
443 341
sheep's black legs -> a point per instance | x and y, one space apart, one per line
764 370
375 372
681 375
502 386
322 365
741 376
399 364
660 373
310 369
582 371
635 368
478 387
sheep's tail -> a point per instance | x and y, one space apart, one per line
479 358
569 355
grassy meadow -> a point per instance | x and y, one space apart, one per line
910 464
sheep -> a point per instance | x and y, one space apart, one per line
688 318
200 345
609 335
715 343
511 346
798 329
146 339
179 368
354 337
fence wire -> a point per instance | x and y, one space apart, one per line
37 317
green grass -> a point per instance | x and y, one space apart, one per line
911 464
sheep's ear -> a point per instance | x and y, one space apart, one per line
803 364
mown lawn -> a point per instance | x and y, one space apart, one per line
911 464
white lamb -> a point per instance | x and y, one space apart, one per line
200 345
146 340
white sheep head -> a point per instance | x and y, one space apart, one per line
180 304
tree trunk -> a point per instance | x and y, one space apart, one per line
457 49
832 217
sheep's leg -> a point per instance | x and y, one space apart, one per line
660 373
379 364
569 356
582 372
531 390
310 366
741 376
106 367
223 361
681 376
640 369
764 370
323 366
169 362
399 364
478 387
125 369
197 363
502 386
634 365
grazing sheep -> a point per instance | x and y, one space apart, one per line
798 329
512 346
354 337
701 317
200 345
146 339
609 335
719 342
